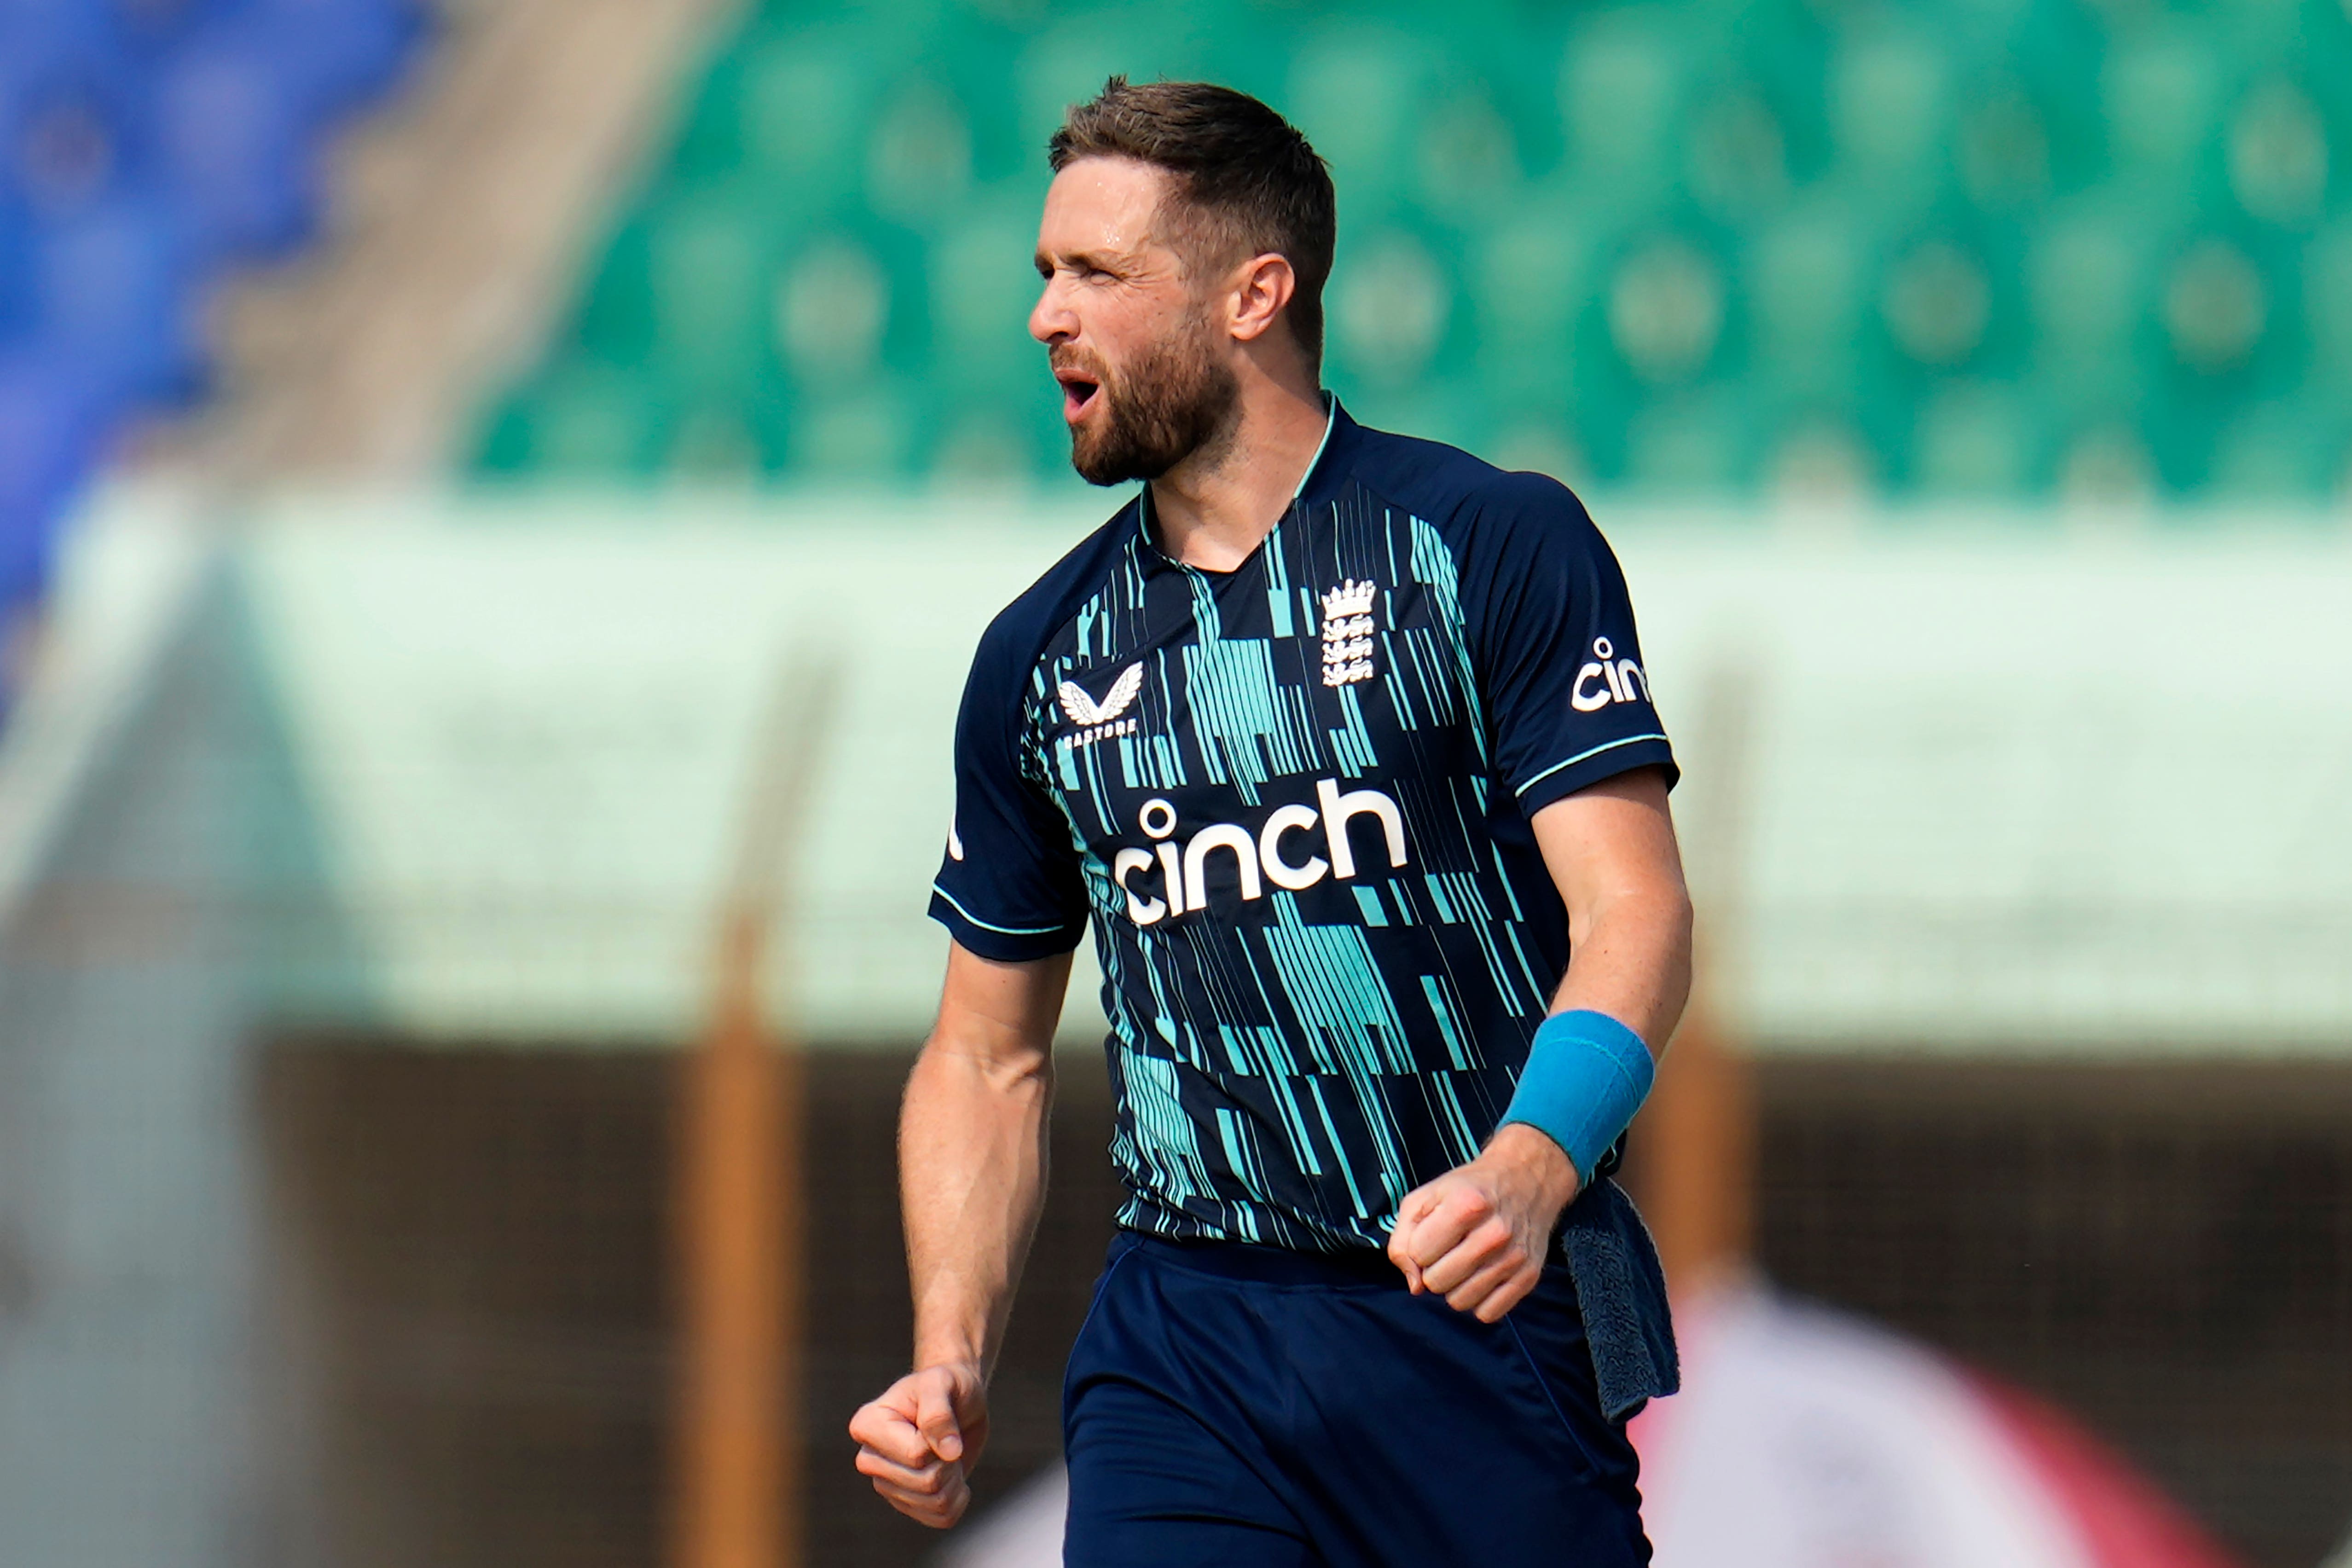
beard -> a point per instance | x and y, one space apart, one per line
1176 399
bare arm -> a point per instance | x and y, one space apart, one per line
972 1176
1478 1234
1610 850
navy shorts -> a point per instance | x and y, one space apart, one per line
1241 1406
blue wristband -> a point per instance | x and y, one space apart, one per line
1586 1076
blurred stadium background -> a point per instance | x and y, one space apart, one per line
495 499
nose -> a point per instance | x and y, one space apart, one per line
1051 320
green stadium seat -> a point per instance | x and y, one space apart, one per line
986 445
1888 116
1528 278
1738 158
1975 440
2105 465
2327 307
1937 301
710 271
1068 62
1808 277
919 159
2089 287
2161 97
2287 451
857 434
1388 311
1685 244
1356 92
831 313
2001 153
1816 458
2216 306
1622 89
1690 444
1666 301
718 442
589 420
1468 160
1530 444
1456 409
793 112
2278 154
982 287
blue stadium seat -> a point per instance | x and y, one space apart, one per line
231 143
112 297
143 147
334 54
53 423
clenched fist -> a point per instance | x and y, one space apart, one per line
1478 1234
920 1441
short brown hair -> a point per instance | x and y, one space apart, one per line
1242 169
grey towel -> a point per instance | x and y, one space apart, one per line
1622 1293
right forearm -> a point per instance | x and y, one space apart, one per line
971 1166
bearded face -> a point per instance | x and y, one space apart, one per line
1138 420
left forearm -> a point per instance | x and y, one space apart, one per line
1610 850
1633 962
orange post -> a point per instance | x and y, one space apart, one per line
1693 1160
738 1218
738 1223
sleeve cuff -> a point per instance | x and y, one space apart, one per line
1005 943
1587 768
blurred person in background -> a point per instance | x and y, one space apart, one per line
1343 742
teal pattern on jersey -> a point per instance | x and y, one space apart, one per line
1292 802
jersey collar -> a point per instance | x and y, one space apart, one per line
1326 471
1329 471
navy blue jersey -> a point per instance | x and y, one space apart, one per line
1292 799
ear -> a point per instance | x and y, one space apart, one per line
1262 287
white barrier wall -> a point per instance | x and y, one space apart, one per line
1999 787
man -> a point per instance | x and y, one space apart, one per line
1342 743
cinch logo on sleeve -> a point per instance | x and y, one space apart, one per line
1601 682
1262 857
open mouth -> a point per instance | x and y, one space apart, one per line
1079 393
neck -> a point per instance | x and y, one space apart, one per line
1217 505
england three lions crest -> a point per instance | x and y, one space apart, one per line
1347 633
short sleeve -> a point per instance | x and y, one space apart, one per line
1009 887
1551 629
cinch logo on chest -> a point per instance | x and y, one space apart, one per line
1258 856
